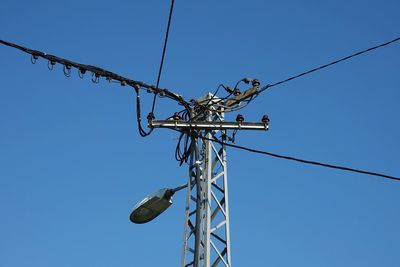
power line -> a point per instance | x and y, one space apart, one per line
110 76
322 67
330 64
303 160
97 72
142 132
163 54
251 95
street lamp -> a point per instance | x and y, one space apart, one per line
153 205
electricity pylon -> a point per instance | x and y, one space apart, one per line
206 240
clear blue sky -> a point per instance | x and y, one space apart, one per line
72 164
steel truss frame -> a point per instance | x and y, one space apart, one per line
207 226
206 241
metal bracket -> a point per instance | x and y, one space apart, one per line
207 125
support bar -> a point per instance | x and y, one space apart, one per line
202 125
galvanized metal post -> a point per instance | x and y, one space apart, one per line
207 227
206 243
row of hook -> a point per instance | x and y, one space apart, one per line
81 72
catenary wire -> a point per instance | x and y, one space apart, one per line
302 160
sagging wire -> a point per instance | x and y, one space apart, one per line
304 161
182 155
142 132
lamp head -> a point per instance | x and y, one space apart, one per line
152 206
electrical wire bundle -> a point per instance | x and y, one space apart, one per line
200 110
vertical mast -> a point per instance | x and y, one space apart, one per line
207 233
206 241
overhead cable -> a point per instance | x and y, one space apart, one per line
163 55
96 72
324 66
330 64
110 76
302 160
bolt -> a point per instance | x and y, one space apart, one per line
176 116
265 119
150 116
239 118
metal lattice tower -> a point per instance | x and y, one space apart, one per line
207 227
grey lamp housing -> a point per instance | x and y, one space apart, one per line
152 206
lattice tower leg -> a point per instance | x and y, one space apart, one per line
207 226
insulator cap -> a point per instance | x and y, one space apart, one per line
239 118
255 82
176 116
150 116
265 119
236 92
